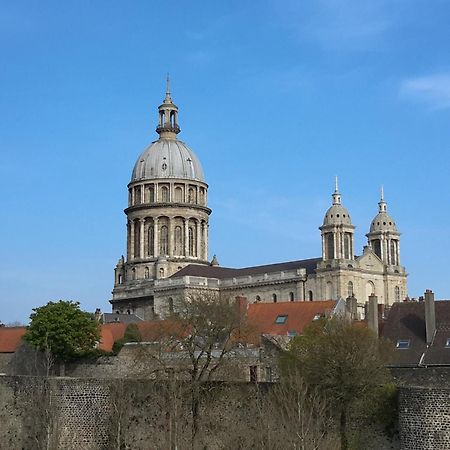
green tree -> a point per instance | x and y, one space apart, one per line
344 362
62 330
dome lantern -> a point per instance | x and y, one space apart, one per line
168 127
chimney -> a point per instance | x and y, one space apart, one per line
372 314
98 315
430 316
351 306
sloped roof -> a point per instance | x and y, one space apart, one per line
123 318
228 272
10 338
263 316
154 330
407 321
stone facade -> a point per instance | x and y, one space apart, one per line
167 232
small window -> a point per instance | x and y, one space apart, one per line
403 343
447 343
274 298
280 320
292 333
269 374
291 296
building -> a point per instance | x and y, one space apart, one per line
167 243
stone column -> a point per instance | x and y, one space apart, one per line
132 239
155 237
199 239
186 237
171 251
398 252
335 238
142 194
323 247
205 240
132 195
142 236
128 227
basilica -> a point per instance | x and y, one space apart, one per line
167 243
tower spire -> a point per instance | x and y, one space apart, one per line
382 204
336 195
168 98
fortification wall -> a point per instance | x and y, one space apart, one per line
71 413
424 418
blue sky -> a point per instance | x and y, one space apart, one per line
275 99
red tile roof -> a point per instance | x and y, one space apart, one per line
10 338
110 333
262 316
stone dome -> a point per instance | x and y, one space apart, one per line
167 158
337 215
383 222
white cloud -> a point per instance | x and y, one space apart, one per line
341 24
433 90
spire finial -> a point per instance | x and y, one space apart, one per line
168 98
382 204
336 195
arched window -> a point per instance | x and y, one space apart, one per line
370 289
137 239
191 246
350 289
170 304
394 252
137 195
151 240
347 246
291 296
164 241
120 279
178 241
329 242
133 273
274 298
151 194
376 247
397 293
161 118
178 194
164 194
161 273
257 298
146 273
310 296
191 195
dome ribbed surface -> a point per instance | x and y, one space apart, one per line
383 222
167 158
337 215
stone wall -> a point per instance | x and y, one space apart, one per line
424 415
69 413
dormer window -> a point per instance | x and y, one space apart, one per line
280 320
403 344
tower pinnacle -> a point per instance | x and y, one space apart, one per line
382 204
168 116
336 194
